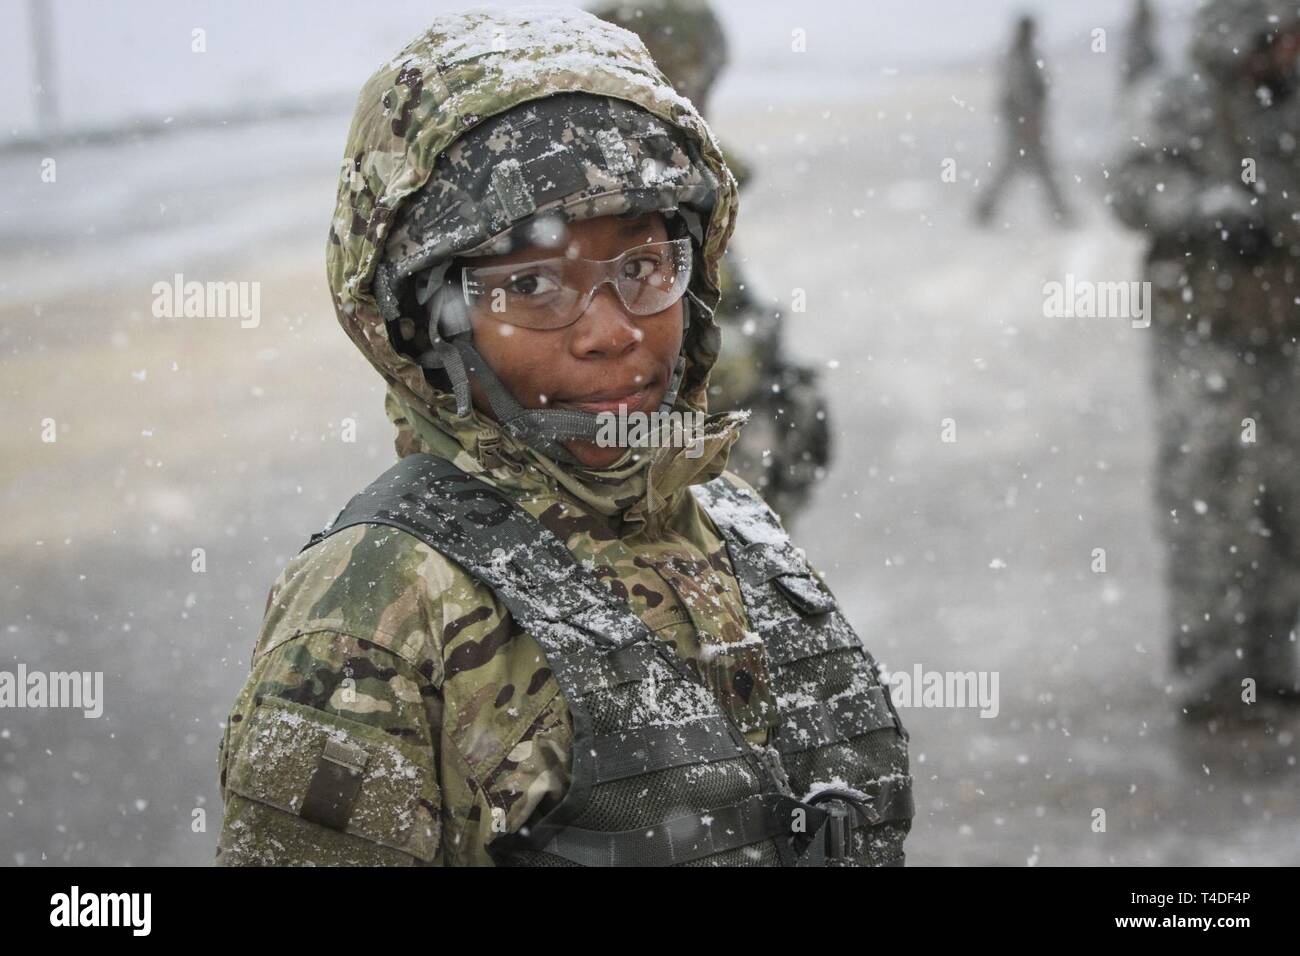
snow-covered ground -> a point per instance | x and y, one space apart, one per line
973 555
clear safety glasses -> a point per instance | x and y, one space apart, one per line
553 293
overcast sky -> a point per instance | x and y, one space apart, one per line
117 61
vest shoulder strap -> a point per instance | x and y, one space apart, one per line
761 549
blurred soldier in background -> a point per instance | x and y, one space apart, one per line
1140 55
1209 169
785 446
1024 108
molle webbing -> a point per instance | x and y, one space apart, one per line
839 722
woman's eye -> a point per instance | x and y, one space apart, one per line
530 284
642 267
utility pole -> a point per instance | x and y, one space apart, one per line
40 19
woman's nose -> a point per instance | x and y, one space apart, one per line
605 329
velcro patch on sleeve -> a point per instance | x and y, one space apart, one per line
340 773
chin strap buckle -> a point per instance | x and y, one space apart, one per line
489 447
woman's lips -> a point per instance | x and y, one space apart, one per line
633 401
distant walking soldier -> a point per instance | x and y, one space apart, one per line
1024 108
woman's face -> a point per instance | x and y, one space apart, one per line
605 359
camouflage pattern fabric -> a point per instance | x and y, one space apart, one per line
371 636
660 774
436 661
1225 322
564 158
685 37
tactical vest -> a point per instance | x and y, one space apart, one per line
661 775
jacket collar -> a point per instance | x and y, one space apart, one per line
638 493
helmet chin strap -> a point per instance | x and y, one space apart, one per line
543 429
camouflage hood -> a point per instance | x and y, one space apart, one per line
466 68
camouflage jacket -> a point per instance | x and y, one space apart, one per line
374 634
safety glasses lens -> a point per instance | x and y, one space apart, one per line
552 293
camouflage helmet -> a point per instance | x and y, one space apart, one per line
685 38
1228 32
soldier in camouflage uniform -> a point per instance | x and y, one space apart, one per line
1208 167
786 446
1024 118
518 647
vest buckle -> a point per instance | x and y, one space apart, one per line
839 835
845 810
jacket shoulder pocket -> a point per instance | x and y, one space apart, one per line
356 795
